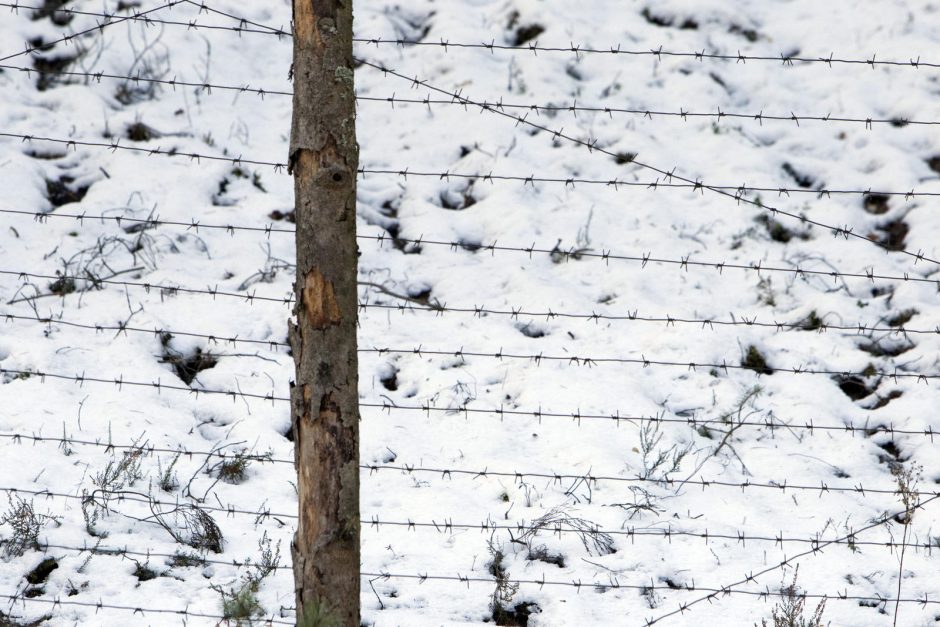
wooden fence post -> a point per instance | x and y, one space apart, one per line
324 158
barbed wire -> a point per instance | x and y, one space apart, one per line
534 47
591 479
148 449
738 190
120 496
112 551
137 78
143 611
124 328
558 478
634 316
614 583
752 577
109 21
572 252
169 290
157 385
115 145
654 185
146 19
592 146
446 525
589 362
644 259
573 108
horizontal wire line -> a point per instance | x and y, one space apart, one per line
739 197
572 252
447 526
571 48
114 146
129 496
145 448
589 361
614 583
122 551
555 477
169 289
573 108
143 611
549 314
42 217
643 361
647 258
687 184
449 473
81 379
654 185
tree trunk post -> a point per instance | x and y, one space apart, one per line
324 158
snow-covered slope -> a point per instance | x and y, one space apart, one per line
631 355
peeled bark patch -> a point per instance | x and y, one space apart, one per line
320 301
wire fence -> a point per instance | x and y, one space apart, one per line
387 299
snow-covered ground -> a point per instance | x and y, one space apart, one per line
688 394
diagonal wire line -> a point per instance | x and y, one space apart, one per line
738 196
119 551
109 21
751 577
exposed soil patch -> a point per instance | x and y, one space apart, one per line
803 180
187 367
891 234
668 21
523 32
63 190
42 571
855 387
875 204
754 360
516 617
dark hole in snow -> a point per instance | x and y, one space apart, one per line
623 158
187 367
887 347
42 571
516 617
754 360
50 9
876 204
541 554
530 329
748 33
902 318
854 387
62 191
666 21
279 215
33 592
140 132
144 573
934 163
801 179
525 34
884 400
50 68
891 234
390 381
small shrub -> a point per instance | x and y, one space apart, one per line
788 612
25 523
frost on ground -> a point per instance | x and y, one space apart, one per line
588 397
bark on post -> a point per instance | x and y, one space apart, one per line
324 159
